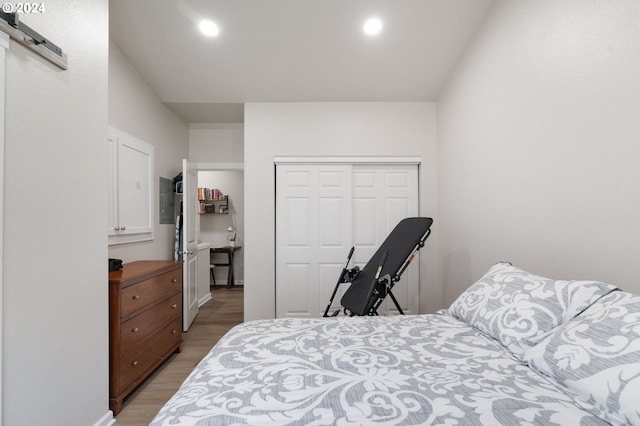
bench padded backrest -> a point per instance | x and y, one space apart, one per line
400 243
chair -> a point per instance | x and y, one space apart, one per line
213 277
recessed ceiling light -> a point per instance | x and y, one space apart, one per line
372 26
209 28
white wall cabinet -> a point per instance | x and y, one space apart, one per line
130 188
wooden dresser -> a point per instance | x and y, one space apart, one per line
145 323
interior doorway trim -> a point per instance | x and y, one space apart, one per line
4 46
348 160
219 167
336 165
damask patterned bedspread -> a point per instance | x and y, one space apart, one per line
513 349
403 370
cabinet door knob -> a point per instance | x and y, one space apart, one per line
134 363
174 280
135 329
174 306
123 228
117 228
173 331
136 297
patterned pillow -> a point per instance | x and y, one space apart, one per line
596 357
519 309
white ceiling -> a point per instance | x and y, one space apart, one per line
291 50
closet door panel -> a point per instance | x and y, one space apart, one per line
296 292
390 194
297 212
312 229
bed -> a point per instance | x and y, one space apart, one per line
515 348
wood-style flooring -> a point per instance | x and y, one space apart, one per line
214 319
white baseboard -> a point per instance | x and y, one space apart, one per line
106 420
224 283
204 299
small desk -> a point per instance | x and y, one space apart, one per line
230 251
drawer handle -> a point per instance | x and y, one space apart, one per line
173 331
134 363
175 280
135 329
136 297
174 306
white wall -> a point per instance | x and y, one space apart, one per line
216 142
539 145
135 109
329 129
55 336
212 228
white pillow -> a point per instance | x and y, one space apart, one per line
596 358
519 308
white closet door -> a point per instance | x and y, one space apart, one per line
322 210
383 195
313 211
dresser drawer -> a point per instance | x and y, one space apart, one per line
134 365
141 294
136 330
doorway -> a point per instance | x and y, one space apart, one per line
224 226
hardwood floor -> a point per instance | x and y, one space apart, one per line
214 319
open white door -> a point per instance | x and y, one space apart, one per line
189 244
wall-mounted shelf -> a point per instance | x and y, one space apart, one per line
214 205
